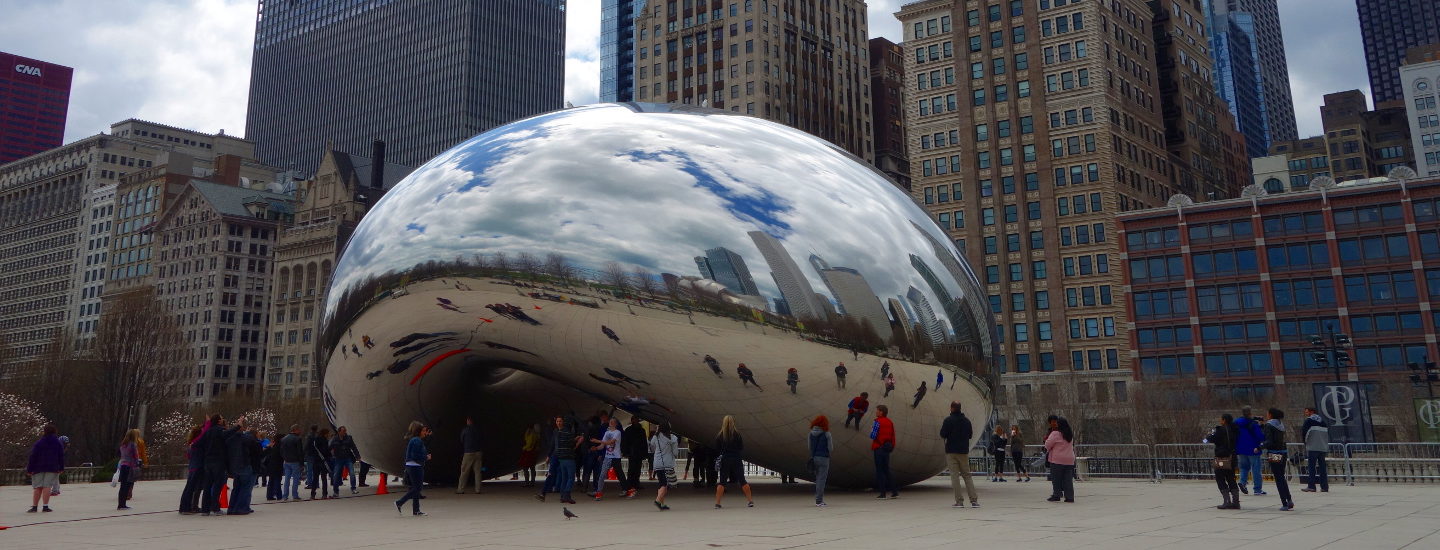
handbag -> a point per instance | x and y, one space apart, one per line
115 479
1275 457
1224 463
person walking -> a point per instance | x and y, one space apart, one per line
292 457
957 432
241 449
529 453
663 446
821 445
1316 434
320 455
343 454
884 370
747 376
1016 444
792 379
273 467
714 365
1060 451
1276 455
919 394
1223 438
857 409
46 463
731 448
470 460
1248 443
996 447
882 436
939 379
129 466
635 447
840 372
416 455
889 384
610 449
194 471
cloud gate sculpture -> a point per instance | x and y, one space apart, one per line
632 256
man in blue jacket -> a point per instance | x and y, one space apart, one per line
1247 449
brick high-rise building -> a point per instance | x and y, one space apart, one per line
34 101
1421 78
1357 143
888 101
1389 28
802 64
1031 125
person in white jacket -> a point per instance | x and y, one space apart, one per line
663 446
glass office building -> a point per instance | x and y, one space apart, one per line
1389 28
617 49
421 75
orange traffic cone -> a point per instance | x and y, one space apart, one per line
381 490
610 476
345 474
224 496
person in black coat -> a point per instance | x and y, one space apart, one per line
217 463
242 451
317 451
957 433
272 463
1224 437
633 444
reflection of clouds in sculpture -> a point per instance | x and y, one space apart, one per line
528 186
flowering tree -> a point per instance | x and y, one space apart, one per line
169 436
261 419
20 425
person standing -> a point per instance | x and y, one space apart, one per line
319 450
416 455
46 463
884 370
609 445
470 464
821 445
957 433
241 448
997 453
792 379
217 461
273 465
636 446
292 456
1317 443
1223 438
714 365
840 372
129 465
566 448
194 472
529 453
1016 443
662 447
1248 442
939 379
1276 454
857 409
747 376
889 384
343 453
882 435
1060 451
919 394
731 448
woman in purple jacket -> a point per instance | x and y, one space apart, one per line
47 461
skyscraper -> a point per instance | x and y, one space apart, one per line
928 321
806 66
727 268
794 287
1235 50
421 75
1274 73
34 100
1421 76
617 49
887 98
854 294
1389 28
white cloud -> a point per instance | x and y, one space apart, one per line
582 51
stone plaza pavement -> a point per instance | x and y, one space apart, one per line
1114 515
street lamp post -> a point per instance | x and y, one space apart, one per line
1333 344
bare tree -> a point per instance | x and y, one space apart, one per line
645 281
500 262
527 264
559 267
615 275
135 363
481 264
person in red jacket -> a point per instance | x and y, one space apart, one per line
882 434
857 408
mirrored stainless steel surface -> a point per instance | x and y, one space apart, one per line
633 256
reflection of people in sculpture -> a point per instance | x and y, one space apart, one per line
633 403
447 305
609 333
714 365
419 346
884 370
840 372
615 383
412 337
919 394
857 408
939 378
367 341
746 377
792 378
355 350
343 353
494 345
622 376
889 384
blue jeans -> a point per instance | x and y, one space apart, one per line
415 479
337 473
552 469
565 478
1252 465
240 496
291 487
884 482
822 472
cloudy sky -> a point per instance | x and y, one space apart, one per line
187 62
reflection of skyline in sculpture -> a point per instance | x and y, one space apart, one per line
952 307
729 269
853 293
793 285
967 332
927 320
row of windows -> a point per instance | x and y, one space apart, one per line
1041 300
1079 204
1016 271
1082 234
1086 264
